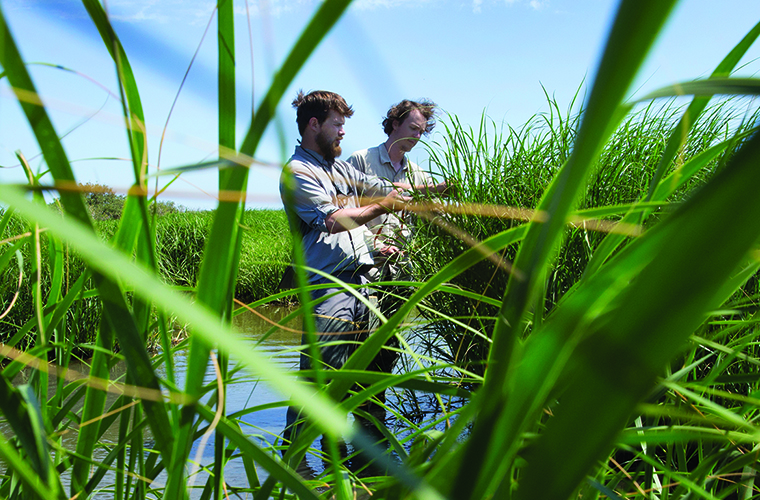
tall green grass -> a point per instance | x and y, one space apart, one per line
638 379
180 240
508 168
265 250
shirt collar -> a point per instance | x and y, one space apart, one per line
312 155
385 157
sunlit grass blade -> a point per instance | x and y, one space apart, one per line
709 87
641 326
227 114
487 459
226 77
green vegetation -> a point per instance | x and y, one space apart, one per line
265 251
104 204
628 369
180 239
502 169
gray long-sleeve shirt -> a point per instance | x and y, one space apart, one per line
388 229
321 188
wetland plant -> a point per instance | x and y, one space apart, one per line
634 382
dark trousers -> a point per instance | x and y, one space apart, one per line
341 319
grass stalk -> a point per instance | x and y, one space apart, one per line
591 359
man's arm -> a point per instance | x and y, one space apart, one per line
349 218
440 188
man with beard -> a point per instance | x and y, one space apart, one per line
322 197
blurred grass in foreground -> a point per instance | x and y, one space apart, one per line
640 378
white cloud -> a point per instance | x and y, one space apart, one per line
161 11
533 4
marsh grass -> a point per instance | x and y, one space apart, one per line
265 251
508 167
619 363
180 240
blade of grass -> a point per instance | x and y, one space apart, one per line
486 460
639 330
227 114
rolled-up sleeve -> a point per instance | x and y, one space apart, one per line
312 203
374 185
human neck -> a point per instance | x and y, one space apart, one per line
310 143
395 154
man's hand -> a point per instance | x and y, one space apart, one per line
444 189
441 189
385 253
395 200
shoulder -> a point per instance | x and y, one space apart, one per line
368 160
301 163
358 159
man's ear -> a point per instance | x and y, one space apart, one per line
314 124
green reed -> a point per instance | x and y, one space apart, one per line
180 240
625 367
512 168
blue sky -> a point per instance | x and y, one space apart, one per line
468 56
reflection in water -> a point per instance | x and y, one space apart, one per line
262 409
244 392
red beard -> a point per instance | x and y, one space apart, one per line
329 149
